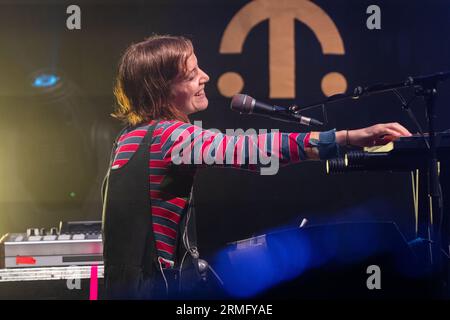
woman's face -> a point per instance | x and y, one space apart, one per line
188 93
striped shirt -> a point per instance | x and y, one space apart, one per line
176 142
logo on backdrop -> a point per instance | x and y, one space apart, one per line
282 15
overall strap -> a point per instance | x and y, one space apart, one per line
128 242
150 256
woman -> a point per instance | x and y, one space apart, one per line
146 205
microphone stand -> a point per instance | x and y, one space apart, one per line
426 87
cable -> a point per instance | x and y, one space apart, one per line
215 274
441 220
185 238
445 253
179 272
164 277
405 106
193 251
415 191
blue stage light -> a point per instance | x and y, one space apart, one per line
45 80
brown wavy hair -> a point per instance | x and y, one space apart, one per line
145 76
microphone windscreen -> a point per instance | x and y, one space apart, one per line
242 103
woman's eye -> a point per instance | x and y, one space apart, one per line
192 75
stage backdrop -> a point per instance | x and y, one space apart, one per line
56 141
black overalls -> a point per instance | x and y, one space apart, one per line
130 257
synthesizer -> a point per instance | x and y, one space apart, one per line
75 243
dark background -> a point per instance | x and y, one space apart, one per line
55 145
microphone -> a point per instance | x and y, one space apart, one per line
248 105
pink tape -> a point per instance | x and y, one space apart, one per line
93 289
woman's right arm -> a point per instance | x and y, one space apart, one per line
184 143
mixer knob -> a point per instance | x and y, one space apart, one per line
30 232
53 231
43 232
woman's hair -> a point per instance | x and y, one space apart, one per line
146 73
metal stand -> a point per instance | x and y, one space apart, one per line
438 235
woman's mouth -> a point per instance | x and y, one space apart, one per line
201 93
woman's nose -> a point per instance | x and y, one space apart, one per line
204 77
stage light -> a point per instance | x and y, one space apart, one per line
45 81
57 116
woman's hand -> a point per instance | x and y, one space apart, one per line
375 135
